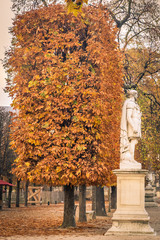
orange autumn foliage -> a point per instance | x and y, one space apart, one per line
66 84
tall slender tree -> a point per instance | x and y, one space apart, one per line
66 82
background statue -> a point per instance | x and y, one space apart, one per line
130 131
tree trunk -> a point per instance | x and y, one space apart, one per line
33 191
17 193
94 198
100 203
109 199
50 189
1 197
9 194
26 193
69 207
82 203
113 197
5 195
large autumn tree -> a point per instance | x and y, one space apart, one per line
138 35
66 82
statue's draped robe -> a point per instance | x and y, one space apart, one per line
126 130
124 142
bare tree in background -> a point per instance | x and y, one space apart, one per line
139 29
138 22
20 6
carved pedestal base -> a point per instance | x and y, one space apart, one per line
130 218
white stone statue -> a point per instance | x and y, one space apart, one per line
130 131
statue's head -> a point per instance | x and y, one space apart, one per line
132 93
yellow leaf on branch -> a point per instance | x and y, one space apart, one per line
75 6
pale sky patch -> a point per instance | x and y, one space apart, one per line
6 16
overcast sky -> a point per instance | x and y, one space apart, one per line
6 16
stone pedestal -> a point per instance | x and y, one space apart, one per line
130 218
149 197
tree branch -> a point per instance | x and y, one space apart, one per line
150 96
121 22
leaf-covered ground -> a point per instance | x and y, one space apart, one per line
43 222
46 220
